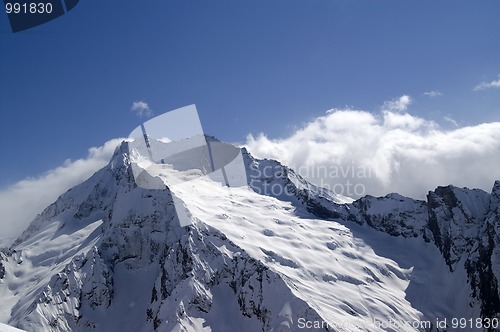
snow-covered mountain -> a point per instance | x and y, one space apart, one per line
278 254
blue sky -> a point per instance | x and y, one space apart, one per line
249 66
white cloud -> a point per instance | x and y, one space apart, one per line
433 93
488 85
141 109
355 152
21 202
397 105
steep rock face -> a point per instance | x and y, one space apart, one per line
4 253
483 262
462 223
392 214
455 219
85 281
201 272
271 178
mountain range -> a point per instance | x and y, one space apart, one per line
276 254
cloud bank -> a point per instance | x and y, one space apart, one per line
21 202
354 152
